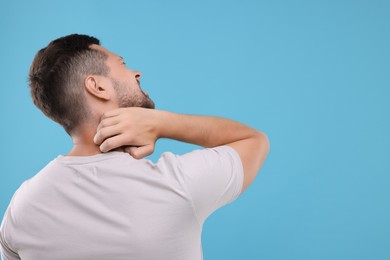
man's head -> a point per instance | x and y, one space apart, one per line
74 80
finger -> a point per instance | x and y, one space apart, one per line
132 150
105 133
111 113
140 152
111 121
114 142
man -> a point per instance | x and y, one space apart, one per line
103 200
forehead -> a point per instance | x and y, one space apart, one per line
110 55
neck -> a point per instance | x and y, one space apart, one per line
83 144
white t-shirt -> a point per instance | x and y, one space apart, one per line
111 206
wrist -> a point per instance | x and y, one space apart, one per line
163 123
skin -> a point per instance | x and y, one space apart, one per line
120 89
142 127
123 121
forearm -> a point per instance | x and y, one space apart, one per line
206 131
137 129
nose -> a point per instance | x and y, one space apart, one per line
138 75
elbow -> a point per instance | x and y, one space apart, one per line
263 140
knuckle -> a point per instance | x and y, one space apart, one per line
109 143
105 146
102 133
103 123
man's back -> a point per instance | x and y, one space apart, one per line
112 206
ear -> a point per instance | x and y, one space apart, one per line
97 87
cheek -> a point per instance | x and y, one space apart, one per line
121 74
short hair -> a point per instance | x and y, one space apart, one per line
57 75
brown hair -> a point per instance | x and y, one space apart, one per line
57 76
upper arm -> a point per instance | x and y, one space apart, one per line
6 252
253 152
212 177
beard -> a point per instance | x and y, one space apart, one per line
126 99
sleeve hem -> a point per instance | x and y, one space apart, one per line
238 168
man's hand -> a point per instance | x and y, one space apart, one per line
133 127
142 127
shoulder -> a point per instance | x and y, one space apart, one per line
212 153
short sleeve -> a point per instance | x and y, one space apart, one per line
213 177
6 252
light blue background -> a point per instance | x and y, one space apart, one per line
313 75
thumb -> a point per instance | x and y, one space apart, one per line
141 151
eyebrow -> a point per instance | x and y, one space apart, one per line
121 58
